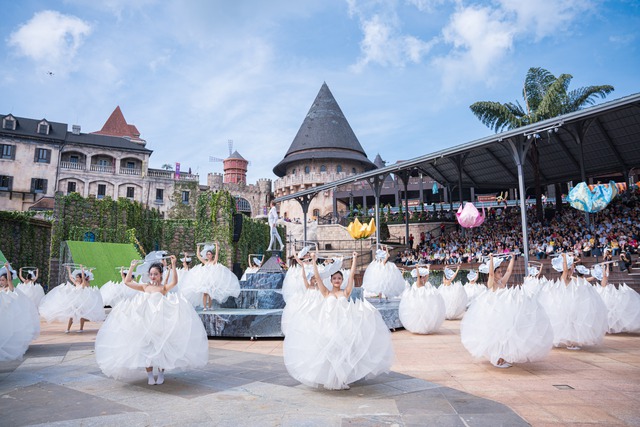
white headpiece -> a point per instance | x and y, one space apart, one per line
330 269
187 259
381 254
3 270
582 269
257 261
423 271
304 251
598 272
532 271
207 248
449 273
472 275
484 268
556 262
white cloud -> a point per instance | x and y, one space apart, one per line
50 38
426 5
480 38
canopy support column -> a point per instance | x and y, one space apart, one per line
376 185
519 150
305 201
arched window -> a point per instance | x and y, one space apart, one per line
323 168
339 168
293 171
89 237
316 213
243 206
307 169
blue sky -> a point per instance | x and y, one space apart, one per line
192 75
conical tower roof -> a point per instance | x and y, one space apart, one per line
325 134
116 125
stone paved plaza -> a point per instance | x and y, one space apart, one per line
434 382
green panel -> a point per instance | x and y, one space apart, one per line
15 280
105 257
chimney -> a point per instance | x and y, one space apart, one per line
75 129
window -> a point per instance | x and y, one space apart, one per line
353 171
9 123
74 158
307 169
323 168
293 171
102 190
71 187
42 155
89 237
339 168
43 128
38 185
159 195
316 213
131 192
104 162
7 151
5 182
185 197
131 165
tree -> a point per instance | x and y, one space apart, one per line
545 96
167 167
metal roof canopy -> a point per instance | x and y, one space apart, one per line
597 140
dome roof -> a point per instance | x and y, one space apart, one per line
324 134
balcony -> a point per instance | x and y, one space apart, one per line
102 169
308 178
165 174
73 166
130 171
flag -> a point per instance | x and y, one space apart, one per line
177 170
434 190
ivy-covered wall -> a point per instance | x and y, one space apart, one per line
26 241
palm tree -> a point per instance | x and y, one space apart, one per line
167 167
545 96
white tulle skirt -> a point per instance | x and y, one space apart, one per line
115 292
623 308
422 309
455 300
151 330
67 301
334 342
507 324
473 290
577 313
383 278
298 305
19 324
32 291
216 280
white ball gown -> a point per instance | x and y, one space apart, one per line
292 283
115 292
213 279
507 324
455 300
151 330
383 278
422 309
474 290
333 342
19 324
32 291
623 308
68 301
577 313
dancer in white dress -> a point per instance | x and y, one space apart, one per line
154 329
253 265
473 288
337 341
623 303
383 278
73 302
577 313
298 303
19 321
292 284
210 279
29 287
454 295
113 293
505 325
422 308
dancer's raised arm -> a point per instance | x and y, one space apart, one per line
174 275
129 279
352 274
316 274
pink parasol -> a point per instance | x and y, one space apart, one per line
469 216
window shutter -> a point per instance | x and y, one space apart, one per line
10 183
44 186
33 185
48 156
35 155
13 152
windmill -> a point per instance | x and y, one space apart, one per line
217 159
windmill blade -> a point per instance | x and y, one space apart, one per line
230 142
215 159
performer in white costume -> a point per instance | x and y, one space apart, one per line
29 287
74 302
383 278
454 295
253 265
623 303
422 308
19 321
273 219
337 341
473 288
154 329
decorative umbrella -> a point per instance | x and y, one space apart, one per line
594 199
469 216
